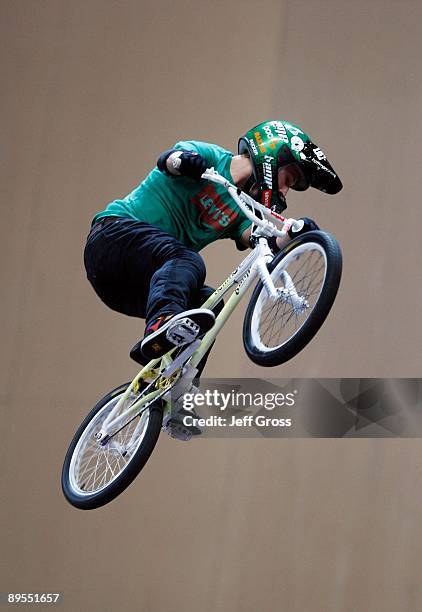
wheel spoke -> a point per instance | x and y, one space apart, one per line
93 466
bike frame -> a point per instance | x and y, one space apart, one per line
176 375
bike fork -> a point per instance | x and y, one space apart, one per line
288 293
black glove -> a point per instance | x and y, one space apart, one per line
192 165
308 226
185 163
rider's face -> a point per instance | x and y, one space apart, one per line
287 177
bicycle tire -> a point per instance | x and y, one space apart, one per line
255 346
86 501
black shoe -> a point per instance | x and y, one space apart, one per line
136 351
165 333
136 354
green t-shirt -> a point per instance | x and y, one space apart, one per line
195 212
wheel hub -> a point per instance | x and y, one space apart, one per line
298 303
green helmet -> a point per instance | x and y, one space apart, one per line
274 144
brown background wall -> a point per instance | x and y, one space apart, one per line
91 93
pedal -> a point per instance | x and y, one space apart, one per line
182 331
173 425
178 432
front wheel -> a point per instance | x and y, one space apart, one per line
307 275
93 473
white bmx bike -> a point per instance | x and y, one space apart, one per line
292 298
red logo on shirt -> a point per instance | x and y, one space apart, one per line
212 209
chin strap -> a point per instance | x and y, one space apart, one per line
249 183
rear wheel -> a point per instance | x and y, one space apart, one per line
94 474
307 273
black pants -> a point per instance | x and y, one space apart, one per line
141 271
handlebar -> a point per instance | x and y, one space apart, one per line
245 203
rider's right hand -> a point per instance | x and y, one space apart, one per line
192 165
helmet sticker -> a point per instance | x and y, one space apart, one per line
268 131
280 131
293 129
319 153
268 173
253 146
260 142
297 143
266 197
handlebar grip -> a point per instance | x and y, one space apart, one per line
298 225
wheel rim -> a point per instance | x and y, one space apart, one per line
276 322
94 467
